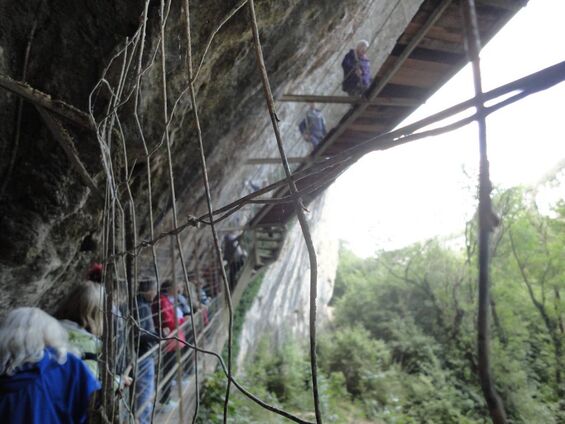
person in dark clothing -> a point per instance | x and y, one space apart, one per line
356 70
313 126
229 248
145 381
234 255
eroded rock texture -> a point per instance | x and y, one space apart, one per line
281 309
46 211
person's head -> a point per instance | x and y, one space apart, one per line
148 289
169 288
362 47
95 272
313 105
84 305
24 334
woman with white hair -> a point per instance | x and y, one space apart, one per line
40 382
356 70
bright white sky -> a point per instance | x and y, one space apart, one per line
409 193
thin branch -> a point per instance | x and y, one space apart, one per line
522 268
39 98
66 142
206 183
298 207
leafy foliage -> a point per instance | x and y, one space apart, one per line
401 346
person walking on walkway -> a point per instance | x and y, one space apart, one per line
313 126
356 70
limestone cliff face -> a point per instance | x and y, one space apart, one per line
281 308
46 212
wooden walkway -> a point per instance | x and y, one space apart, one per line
427 54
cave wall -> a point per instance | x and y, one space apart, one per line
46 211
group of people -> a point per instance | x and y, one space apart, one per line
50 366
356 80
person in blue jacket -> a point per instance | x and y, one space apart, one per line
313 126
356 70
40 381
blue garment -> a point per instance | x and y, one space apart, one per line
148 338
354 84
204 297
48 392
145 390
183 305
313 126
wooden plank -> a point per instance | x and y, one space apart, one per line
427 65
443 46
448 35
383 114
415 73
312 98
367 128
380 101
353 137
397 102
416 77
374 120
510 5
430 54
344 145
274 161
404 91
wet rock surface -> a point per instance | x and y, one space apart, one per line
46 211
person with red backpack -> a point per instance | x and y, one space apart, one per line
167 319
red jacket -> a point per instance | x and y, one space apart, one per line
167 320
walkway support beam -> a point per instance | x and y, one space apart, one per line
274 161
378 101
